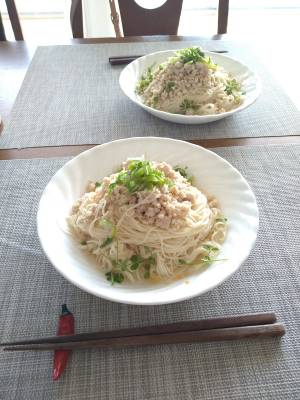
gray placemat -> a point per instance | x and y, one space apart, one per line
71 95
31 292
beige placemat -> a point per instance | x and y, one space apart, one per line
71 95
31 292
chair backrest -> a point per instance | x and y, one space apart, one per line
139 21
14 20
223 10
2 31
76 18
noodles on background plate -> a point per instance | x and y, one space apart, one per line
148 222
190 83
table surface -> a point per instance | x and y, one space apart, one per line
15 58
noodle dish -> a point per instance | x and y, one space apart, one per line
148 222
189 86
190 83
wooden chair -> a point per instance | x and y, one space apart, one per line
138 21
14 20
2 31
223 10
76 19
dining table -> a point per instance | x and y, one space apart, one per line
58 100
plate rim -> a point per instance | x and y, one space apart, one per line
83 287
192 118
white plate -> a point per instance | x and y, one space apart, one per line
212 173
133 72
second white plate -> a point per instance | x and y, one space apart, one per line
133 72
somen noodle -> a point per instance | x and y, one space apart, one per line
148 222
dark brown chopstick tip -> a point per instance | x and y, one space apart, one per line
122 60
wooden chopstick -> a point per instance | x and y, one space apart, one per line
207 335
183 326
122 60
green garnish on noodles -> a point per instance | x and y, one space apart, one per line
140 175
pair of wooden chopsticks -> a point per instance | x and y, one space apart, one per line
209 330
122 60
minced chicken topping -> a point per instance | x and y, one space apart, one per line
191 84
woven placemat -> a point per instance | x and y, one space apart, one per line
71 95
31 292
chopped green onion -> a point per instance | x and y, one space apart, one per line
136 260
114 277
208 259
232 87
169 86
183 172
132 264
193 55
112 186
221 219
123 265
147 249
83 243
106 242
154 101
210 247
98 184
190 55
145 81
151 260
147 271
188 104
129 264
140 176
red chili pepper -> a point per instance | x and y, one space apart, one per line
65 327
